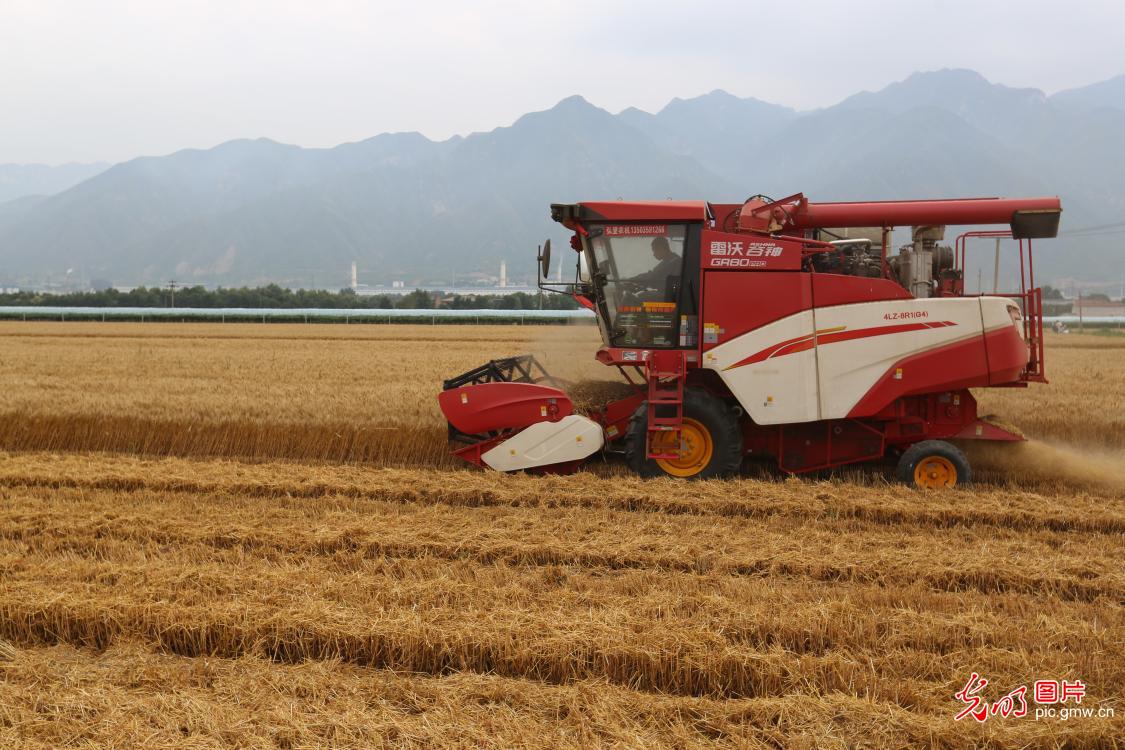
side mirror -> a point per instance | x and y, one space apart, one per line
583 269
545 259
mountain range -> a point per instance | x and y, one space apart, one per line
408 208
28 181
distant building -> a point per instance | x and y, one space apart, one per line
1098 307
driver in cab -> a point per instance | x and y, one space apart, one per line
667 264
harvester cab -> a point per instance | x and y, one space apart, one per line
775 329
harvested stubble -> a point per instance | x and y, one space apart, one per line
131 697
737 604
1057 509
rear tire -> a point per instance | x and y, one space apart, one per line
934 465
711 434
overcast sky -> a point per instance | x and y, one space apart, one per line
113 79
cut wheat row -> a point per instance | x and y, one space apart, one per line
141 698
1040 563
817 616
670 654
680 631
349 488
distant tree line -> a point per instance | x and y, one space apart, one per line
274 296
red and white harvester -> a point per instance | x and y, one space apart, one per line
772 329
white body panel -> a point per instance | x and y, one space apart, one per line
819 363
777 391
544 443
849 369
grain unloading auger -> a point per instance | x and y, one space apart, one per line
775 329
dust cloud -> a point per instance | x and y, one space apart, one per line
1041 462
567 352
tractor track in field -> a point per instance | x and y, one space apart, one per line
475 497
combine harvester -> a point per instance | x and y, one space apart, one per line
771 329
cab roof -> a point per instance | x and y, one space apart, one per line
631 211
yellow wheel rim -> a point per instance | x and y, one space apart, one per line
695 449
935 472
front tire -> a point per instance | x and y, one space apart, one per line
934 465
710 441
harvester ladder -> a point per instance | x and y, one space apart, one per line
1033 335
665 372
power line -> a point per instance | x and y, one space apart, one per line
1098 228
1091 234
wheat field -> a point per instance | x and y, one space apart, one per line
244 536
322 392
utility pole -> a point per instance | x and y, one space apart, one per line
172 289
996 269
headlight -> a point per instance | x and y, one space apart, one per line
1017 319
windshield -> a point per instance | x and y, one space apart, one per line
637 272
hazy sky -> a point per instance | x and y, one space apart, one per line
113 79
